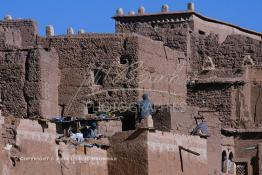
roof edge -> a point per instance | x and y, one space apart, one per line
117 18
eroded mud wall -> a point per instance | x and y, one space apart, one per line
96 69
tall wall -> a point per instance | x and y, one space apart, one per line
82 58
162 72
25 71
13 73
50 80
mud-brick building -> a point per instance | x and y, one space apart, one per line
191 65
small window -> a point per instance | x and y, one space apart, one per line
201 32
110 93
126 59
123 60
93 107
99 76
224 162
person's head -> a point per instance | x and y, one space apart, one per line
93 124
145 96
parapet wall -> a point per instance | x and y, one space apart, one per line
167 154
35 152
18 34
143 152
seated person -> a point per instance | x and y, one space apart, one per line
201 130
92 132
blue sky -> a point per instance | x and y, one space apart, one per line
95 15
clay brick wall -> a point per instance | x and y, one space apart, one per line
166 82
23 82
17 34
143 152
22 66
130 151
50 79
256 101
162 118
222 30
109 128
215 97
244 141
12 75
164 155
260 158
38 151
37 83
160 28
80 56
229 55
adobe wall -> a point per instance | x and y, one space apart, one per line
130 150
256 111
25 73
18 34
12 75
220 29
260 158
23 84
243 153
164 156
228 55
166 82
50 80
184 123
217 97
109 128
81 55
160 28
246 140
37 153
143 152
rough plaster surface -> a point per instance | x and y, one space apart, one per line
214 67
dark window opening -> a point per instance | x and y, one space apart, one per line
123 60
99 76
241 168
93 107
224 163
125 86
126 59
110 93
128 120
201 32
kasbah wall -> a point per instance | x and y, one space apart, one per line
191 64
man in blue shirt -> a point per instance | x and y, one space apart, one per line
144 107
